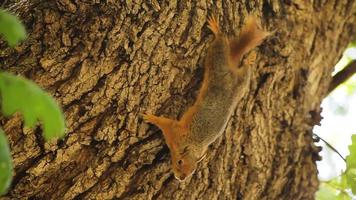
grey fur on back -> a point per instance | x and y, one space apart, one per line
224 91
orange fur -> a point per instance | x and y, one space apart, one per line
188 141
166 125
187 118
213 25
250 37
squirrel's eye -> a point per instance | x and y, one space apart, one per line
180 162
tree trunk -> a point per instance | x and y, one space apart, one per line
108 62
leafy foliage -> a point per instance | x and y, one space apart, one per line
11 28
352 44
326 192
339 187
343 186
5 164
350 172
19 94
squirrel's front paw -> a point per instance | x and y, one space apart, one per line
148 117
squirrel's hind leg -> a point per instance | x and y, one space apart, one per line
250 37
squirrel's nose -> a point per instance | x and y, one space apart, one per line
180 177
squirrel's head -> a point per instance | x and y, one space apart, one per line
184 154
185 158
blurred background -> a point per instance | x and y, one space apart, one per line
338 123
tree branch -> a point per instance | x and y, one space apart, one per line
330 146
342 75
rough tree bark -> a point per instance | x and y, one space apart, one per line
107 61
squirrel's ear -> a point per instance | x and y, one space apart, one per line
166 125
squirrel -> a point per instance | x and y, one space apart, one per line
224 84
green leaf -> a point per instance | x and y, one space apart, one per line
326 192
338 182
350 172
351 179
343 196
19 94
351 158
352 44
11 28
5 164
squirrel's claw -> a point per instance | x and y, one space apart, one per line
213 25
147 117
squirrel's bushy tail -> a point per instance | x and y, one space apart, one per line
250 37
